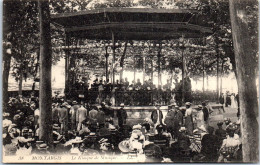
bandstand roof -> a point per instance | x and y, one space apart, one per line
133 24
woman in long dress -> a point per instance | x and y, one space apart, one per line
233 101
188 119
200 117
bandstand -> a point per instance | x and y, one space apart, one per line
124 24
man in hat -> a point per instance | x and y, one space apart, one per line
189 119
81 115
180 115
75 146
183 141
157 115
63 117
36 116
106 109
55 114
170 120
210 146
73 111
220 133
227 121
121 115
206 111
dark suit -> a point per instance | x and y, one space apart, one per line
155 116
121 115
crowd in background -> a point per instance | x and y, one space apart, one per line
137 93
85 129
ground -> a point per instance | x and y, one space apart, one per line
217 116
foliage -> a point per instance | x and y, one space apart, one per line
22 32
20 19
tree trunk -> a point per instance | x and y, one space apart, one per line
183 76
7 62
20 90
222 74
246 65
45 133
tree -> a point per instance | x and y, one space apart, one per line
45 133
244 32
20 20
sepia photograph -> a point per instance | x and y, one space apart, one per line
130 81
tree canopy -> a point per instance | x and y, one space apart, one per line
21 31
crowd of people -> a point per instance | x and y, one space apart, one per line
230 100
83 129
135 93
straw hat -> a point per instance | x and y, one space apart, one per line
182 129
173 104
122 105
6 123
138 126
202 128
6 114
65 104
74 102
187 103
124 146
56 126
103 140
77 140
43 146
146 119
238 122
220 123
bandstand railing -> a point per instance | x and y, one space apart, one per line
140 97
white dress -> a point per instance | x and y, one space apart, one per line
233 102
200 119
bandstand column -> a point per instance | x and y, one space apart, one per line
183 74
66 64
152 68
203 65
217 51
203 72
134 69
143 68
159 67
113 48
106 55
